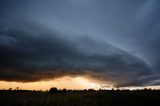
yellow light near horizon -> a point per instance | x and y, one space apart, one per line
60 83
65 82
86 84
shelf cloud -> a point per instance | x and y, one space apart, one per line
109 41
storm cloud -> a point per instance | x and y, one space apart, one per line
32 53
105 40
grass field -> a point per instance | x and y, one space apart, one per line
80 98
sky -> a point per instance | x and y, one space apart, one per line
105 42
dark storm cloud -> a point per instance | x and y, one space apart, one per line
114 41
31 53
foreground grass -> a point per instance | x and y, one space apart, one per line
74 98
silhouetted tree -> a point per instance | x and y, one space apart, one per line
53 90
64 90
17 88
10 89
91 90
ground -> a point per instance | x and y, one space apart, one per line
80 98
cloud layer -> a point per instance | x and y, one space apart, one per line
30 52
110 41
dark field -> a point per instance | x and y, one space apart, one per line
80 98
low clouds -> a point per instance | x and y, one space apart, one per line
111 41
32 52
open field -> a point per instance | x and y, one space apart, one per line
80 98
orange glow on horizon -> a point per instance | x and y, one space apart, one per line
64 82
60 83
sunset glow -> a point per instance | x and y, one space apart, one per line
79 44
60 83
64 82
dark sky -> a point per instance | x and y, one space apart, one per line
114 41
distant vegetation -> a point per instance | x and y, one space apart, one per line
90 97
